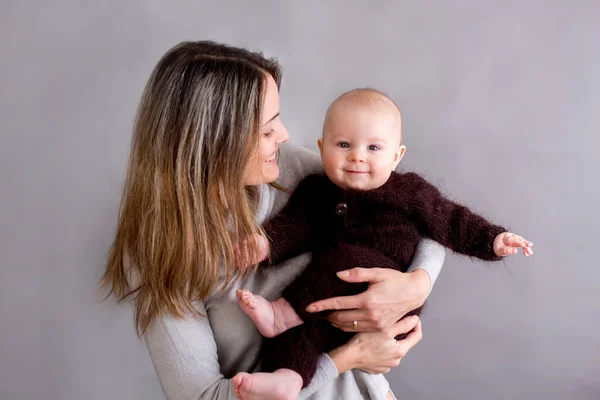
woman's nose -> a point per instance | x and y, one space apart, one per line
283 136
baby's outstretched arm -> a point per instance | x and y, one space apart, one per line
508 243
456 226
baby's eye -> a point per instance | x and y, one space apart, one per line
374 147
344 145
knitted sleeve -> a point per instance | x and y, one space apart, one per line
451 224
289 230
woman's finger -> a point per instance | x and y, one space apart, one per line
405 325
345 320
410 340
362 275
347 316
361 326
337 303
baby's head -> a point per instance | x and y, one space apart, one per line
362 139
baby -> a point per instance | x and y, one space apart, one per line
359 214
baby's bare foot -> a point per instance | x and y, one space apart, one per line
259 310
270 317
283 384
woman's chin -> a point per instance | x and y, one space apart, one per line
271 173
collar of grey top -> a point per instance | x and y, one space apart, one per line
265 203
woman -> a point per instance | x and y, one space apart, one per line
202 174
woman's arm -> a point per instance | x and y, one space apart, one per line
184 354
429 257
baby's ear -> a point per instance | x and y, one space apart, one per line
320 144
399 154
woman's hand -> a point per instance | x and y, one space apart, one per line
378 352
391 294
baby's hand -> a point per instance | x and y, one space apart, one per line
244 256
508 243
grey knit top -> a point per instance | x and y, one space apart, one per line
195 358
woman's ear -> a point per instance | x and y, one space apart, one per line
398 155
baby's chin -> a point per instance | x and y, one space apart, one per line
358 184
363 186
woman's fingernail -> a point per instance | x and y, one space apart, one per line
343 274
311 308
414 319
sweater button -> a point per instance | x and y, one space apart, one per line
341 208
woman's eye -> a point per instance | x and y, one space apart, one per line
374 147
344 145
268 134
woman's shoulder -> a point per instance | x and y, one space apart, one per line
296 163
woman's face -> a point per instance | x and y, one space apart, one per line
262 167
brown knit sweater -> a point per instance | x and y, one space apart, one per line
350 228
391 219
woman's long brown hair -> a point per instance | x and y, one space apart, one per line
184 204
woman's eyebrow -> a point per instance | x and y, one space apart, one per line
272 118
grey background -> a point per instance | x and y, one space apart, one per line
500 103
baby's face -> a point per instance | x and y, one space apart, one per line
361 147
